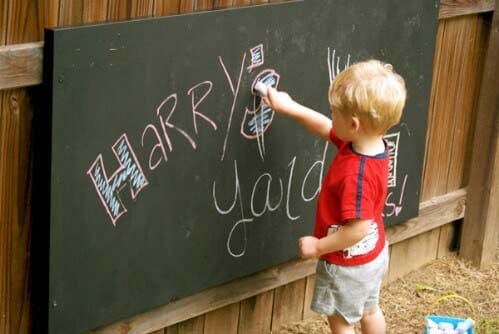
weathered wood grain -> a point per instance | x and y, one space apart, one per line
309 293
94 11
191 326
222 3
141 8
117 10
76 12
413 253
471 31
255 314
288 303
432 214
223 320
212 299
22 22
452 100
70 12
15 203
204 5
452 8
480 228
166 7
21 65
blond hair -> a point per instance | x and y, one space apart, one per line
371 91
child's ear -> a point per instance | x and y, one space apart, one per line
355 123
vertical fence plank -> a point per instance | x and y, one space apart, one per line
413 253
241 3
166 7
20 23
131 9
439 146
141 8
49 13
204 5
255 314
4 253
117 10
223 320
187 6
191 326
94 11
288 303
480 227
3 21
471 30
70 12
222 3
309 293
428 165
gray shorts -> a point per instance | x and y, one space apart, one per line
348 291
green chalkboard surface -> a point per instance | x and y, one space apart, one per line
165 176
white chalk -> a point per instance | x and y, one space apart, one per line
260 88
464 326
445 325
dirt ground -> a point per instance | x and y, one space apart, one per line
408 300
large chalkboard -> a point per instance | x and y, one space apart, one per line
166 176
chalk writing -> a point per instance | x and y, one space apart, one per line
333 63
257 57
392 141
129 172
252 199
394 208
160 137
272 188
235 92
256 121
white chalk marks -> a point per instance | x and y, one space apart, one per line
333 64
392 141
161 137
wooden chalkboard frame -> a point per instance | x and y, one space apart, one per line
78 58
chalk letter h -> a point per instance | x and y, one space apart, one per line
129 172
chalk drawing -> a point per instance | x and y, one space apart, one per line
129 173
333 63
392 141
257 57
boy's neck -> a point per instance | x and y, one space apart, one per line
370 145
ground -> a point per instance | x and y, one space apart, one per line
408 300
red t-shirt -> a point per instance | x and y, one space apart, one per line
355 188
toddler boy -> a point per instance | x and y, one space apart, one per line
349 238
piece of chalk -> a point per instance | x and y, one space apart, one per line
260 88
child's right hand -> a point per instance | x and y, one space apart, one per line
279 101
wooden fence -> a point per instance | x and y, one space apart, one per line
460 171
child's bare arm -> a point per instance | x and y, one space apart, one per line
313 121
348 235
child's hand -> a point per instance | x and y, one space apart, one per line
308 247
278 101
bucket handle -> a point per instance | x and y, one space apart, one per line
450 296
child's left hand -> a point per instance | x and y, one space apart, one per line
308 247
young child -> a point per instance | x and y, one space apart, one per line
349 238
